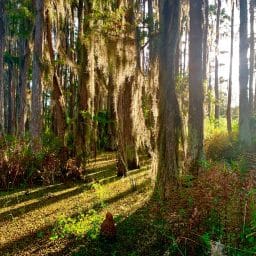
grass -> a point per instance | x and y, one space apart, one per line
27 218
64 219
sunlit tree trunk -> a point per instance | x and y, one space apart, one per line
205 40
169 114
252 56
196 93
244 126
126 57
57 94
216 85
36 113
229 117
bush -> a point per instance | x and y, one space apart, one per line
20 166
222 146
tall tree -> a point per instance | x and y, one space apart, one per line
36 113
216 84
57 94
196 94
1 66
244 126
169 114
126 80
229 117
252 56
205 40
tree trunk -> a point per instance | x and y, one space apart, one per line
57 94
2 35
11 97
23 83
83 118
111 130
205 40
196 93
244 126
252 57
127 155
36 113
169 114
229 117
216 85
125 61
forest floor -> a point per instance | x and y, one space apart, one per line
65 218
28 217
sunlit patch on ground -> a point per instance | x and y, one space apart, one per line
27 217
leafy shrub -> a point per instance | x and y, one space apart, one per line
19 165
222 146
81 226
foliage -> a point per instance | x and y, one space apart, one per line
84 225
21 166
222 146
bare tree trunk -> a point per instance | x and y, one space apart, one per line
57 94
216 86
127 154
229 117
11 97
185 49
169 114
2 35
196 93
205 39
36 113
23 83
83 118
244 126
252 57
111 115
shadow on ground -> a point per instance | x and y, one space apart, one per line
140 234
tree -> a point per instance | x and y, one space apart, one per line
196 93
2 32
229 117
244 127
169 114
216 84
36 113
57 94
205 39
252 57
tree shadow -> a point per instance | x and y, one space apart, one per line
49 199
141 233
27 195
36 239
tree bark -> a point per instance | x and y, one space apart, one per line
205 39
36 113
216 84
23 83
169 113
244 126
2 36
229 117
252 57
57 94
196 94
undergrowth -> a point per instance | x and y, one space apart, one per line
20 166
